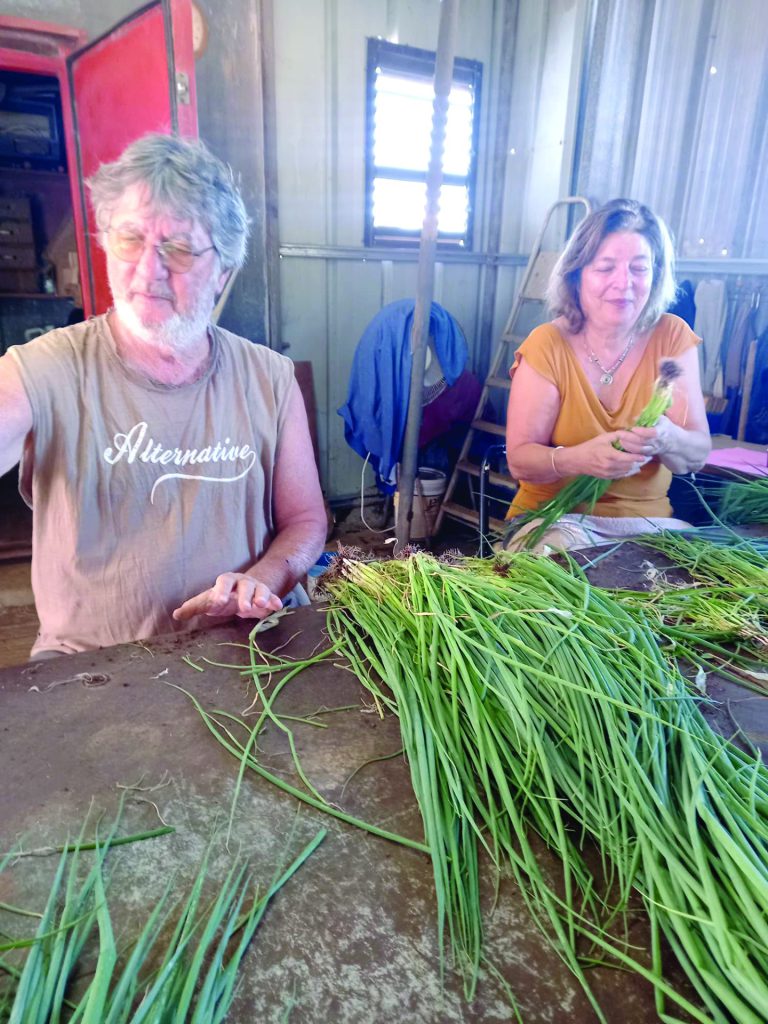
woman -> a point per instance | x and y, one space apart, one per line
580 382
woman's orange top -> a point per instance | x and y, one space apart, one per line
582 416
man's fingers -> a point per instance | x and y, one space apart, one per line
232 594
221 591
194 606
250 595
262 603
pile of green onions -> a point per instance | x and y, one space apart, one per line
582 493
738 562
531 703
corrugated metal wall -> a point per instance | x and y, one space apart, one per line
609 97
331 286
675 113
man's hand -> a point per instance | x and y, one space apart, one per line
234 593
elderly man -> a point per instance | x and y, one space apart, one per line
168 462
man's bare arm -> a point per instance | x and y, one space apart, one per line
15 414
301 524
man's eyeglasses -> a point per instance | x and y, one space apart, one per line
178 257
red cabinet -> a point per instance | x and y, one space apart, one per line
136 78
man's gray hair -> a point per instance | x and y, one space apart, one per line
185 180
617 215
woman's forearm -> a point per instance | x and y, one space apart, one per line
600 457
536 463
687 450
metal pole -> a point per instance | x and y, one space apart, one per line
446 48
266 29
497 184
485 473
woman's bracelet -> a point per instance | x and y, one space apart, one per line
555 470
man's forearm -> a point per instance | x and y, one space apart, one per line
289 556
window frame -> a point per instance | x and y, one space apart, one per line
410 60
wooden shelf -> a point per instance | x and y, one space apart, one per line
33 295
37 173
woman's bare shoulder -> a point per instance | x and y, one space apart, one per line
560 324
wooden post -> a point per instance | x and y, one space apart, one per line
271 227
746 391
490 274
446 48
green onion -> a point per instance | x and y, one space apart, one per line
719 622
198 964
745 502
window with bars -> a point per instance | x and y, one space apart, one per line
398 138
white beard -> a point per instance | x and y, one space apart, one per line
179 332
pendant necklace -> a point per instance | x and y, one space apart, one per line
607 372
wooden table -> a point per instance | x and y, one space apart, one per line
352 937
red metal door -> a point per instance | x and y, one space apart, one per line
137 78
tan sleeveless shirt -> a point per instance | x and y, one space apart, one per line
582 416
143 493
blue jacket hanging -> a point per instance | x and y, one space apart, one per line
376 409
757 415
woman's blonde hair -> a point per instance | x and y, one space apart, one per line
617 215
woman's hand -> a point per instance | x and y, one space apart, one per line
653 441
680 450
598 457
234 593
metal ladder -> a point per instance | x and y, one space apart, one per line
530 294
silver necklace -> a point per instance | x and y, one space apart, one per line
607 372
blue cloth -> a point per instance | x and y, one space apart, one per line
684 304
757 415
376 409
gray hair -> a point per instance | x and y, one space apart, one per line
617 215
184 179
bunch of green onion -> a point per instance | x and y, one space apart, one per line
718 622
582 493
532 704
738 562
745 502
